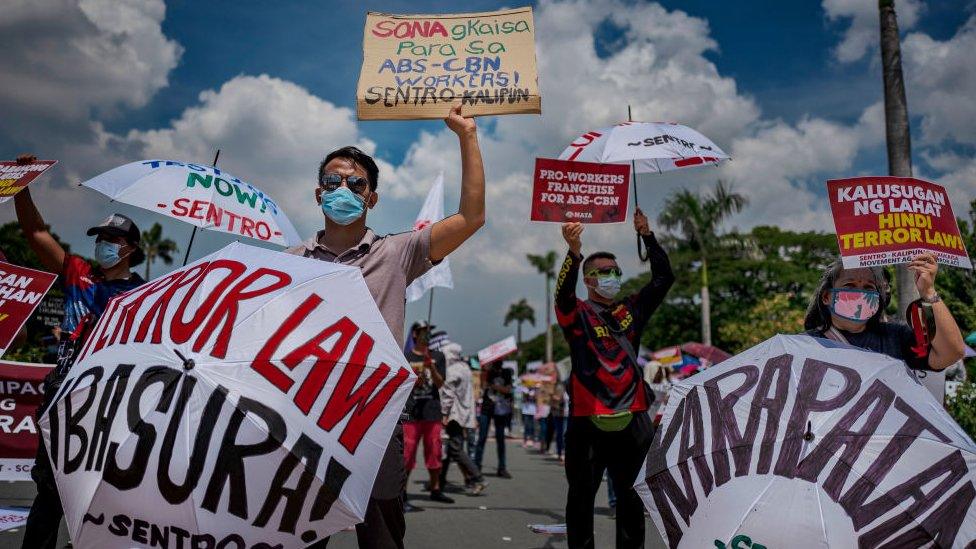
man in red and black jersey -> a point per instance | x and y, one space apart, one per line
609 428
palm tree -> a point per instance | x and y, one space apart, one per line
697 217
520 312
155 246
546 264
897 133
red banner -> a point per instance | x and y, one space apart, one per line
889 220
14 177
21 290
21 392
580 191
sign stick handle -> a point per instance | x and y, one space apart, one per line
641 254
193 235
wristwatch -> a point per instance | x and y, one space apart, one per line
930 300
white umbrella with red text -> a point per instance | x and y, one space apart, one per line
649 147
245 399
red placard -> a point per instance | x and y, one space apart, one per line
21 392
14 177
579 191
888 220
21 291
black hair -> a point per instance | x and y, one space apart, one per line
597 255
364 160
818 314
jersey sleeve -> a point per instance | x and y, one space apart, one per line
566 300
650 297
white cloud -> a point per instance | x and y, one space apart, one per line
271 132
941 82
63 58
862 34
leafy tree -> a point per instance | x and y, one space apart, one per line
962 408
746 270
535 348
156 247
958 286
764 320
546 265
15 247
697 218
518 313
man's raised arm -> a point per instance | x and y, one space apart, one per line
449 233
35 231
652 294
569 271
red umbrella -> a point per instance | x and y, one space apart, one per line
708 352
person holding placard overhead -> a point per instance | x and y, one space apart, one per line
609 428
849 307
346 191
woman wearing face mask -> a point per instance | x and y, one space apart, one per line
609 428
849 305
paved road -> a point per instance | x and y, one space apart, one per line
499 518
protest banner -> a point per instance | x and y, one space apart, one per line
497 350
21 291
418 66
888 220
245 399
799 438
587 192
21 392
14 177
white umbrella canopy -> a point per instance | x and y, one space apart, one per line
803 442
652 147
203 196
245 399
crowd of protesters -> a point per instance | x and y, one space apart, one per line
598 420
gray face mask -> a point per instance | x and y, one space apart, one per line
608 286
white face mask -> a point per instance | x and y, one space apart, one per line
607 286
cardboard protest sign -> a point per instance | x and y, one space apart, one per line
497 350
14 177
579 191
21 392
245 400
418 66
888 220
21 291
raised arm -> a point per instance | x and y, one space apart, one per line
35 231
569 272
650 297
947 346
449 233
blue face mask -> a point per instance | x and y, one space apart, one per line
343 206
107 254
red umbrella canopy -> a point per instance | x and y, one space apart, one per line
708 352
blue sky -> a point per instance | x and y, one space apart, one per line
791 89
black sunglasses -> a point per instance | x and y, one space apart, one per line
332 181
608 271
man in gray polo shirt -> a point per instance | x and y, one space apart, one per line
346 191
